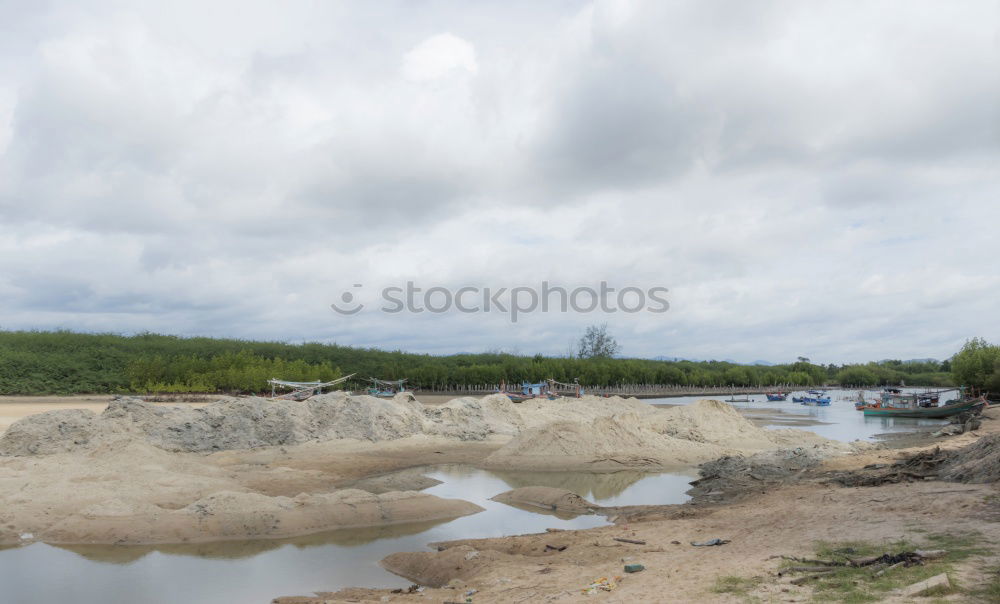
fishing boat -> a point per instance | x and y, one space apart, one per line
301 391
813 397
941 411
528 392
385 388
860 402
922 405
564 390
776 396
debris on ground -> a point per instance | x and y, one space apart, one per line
734 476
884 562
710 542
918 589
978 462
601 584
634 568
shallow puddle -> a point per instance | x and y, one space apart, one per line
256 571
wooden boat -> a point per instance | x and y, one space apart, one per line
385 388
942 411
776 396
528 392
815 397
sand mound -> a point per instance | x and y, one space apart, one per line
661 438
547 498
710 421
603 444
125 490
247 423
541 411
237 515
470 418
436 569
51 432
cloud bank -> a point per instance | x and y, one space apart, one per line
817 179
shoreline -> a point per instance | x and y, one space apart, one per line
759 525
126 490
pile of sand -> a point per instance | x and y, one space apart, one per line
227 515
603 444
549 499
129 491
655 439
470 418
541 411
436 569
247 423
710 421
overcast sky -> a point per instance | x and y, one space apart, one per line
807 178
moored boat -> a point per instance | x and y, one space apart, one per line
528 392
813 397
937 412
385 388
776 396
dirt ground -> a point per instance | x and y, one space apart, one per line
786 520
764 521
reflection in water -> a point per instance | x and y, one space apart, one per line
588 486
255 571
235 550
627 487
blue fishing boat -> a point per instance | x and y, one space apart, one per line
528 392
776 396
813 397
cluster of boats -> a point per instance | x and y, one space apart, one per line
893 402
549 389
812 397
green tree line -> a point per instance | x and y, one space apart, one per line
63 362
978 365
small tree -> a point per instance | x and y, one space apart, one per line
596 342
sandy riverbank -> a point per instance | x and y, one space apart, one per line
760 525
141 472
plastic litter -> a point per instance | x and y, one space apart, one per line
710 542
601 584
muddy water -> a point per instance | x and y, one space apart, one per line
256 571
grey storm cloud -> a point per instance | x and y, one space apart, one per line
811 178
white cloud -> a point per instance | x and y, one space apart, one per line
439 56
807 179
